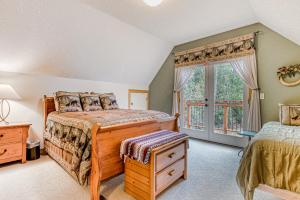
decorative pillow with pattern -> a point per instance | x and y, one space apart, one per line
289 115
108 101
68 101
90 102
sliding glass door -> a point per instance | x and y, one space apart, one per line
214 104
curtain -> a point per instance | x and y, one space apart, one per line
182 75
246 68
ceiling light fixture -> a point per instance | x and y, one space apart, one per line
152 3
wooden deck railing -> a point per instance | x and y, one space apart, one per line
229 110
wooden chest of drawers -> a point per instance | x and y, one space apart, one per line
13 142
168 163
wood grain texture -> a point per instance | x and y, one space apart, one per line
170 156
169 175
10 150
283 194
145 182
130 91
13 139
49 106
10 135
106 161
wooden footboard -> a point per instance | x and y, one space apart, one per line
106 161
282 194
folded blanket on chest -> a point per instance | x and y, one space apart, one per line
139 148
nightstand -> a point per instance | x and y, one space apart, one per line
13 138
249 134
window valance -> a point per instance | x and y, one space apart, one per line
235 47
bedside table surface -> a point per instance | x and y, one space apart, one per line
248 133
16 124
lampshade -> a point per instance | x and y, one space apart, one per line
152 3
7 92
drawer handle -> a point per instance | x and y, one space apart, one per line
171 155
1 136
171 173
4 151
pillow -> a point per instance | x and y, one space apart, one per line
108 101
90 102
289 114
68 101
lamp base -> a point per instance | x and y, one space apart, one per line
3 116
4 122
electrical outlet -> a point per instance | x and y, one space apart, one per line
261 95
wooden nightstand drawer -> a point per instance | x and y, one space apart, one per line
169 175
13 138
168 157
12 135
10 151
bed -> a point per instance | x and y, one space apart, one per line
91 153
271 162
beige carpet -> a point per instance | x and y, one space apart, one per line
212 170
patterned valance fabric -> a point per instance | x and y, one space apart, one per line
235 47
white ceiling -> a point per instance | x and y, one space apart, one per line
179 21
122 41
282 16
66 38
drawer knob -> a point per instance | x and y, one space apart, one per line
171 155
171 173
1 136
4 151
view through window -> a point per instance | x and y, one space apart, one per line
228 95
194 100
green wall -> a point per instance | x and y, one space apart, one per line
272 50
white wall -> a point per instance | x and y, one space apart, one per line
31 88
67 38
42 40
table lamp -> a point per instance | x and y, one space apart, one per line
6 93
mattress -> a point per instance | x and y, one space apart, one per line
272 158
70 134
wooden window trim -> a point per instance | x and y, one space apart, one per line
130 91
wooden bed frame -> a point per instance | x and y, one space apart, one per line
280 193
106 162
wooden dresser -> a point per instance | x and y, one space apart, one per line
168 164
13 142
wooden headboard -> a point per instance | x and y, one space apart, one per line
49 106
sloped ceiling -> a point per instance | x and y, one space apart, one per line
66 38
122 41
282 16
180 21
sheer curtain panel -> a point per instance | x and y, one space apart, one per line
182 75
246 68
